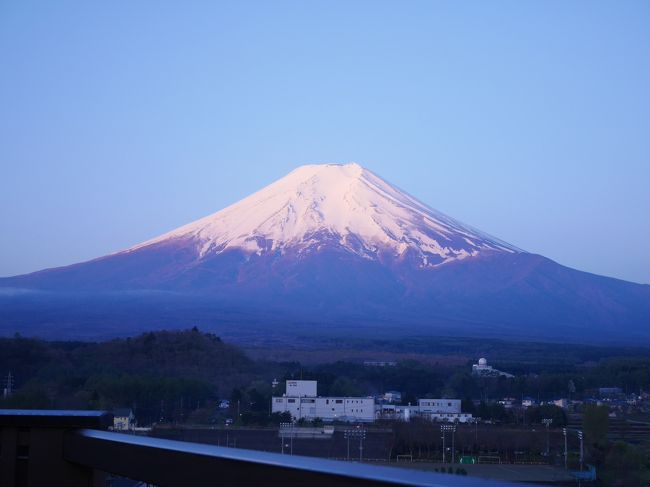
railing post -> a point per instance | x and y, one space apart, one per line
31 447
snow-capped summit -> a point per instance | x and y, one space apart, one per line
341 205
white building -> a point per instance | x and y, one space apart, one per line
441 410
123 419
379 363
485 370
528 402
302 401
354 409
508 402
561 403
439 405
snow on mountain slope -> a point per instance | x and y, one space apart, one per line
346 206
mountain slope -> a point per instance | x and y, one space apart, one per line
337 244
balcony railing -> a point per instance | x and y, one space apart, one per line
73 448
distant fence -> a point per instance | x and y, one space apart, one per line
489 459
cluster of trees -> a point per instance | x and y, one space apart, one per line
163 376
181 375
617 463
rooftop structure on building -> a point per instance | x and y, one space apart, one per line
392 397
609 391
301 388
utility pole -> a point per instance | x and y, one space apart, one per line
182 408
348 438
282 437
9 386
566 453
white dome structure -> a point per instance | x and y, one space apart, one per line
483 369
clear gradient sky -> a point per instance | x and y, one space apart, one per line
122 120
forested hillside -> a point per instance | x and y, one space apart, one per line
163 375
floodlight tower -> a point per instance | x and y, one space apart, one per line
582 450
356 433
452 429
547 422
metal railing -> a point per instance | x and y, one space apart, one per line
73 448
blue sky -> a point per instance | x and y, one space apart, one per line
529 120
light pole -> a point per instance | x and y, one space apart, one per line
547 422
443 447
347 437
565 448
582 451
283 430
361 434
444 429
453 445
274 384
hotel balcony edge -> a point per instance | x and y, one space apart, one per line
74 448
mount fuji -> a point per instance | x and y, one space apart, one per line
328 247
